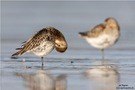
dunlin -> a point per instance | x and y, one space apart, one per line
103 35
43 42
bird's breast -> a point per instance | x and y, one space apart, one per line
44 48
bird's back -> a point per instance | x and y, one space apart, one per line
37 40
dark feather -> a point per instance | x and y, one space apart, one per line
33 42
83 33
18 48
18 53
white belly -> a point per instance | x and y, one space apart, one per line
103 41
43 49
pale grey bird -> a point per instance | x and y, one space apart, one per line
103 35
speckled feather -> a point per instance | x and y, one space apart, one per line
48 34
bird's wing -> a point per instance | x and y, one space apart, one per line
96 31
23 43
34 41
37 39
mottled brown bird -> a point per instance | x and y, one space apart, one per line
43 42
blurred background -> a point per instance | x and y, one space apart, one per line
21 19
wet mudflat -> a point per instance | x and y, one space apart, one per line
81 66
69 71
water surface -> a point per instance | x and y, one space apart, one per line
81 66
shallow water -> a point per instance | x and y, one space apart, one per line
81 66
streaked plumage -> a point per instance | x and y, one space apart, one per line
103 35
43 42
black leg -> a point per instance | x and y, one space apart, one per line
102 51
42 58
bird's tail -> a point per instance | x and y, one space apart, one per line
83 34
20 52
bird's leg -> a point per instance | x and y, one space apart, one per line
42 58
102 52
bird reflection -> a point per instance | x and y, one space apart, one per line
103 77
43 81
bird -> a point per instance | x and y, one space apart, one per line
43 42
103 35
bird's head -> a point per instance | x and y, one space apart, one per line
60 41
60 45
112 22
